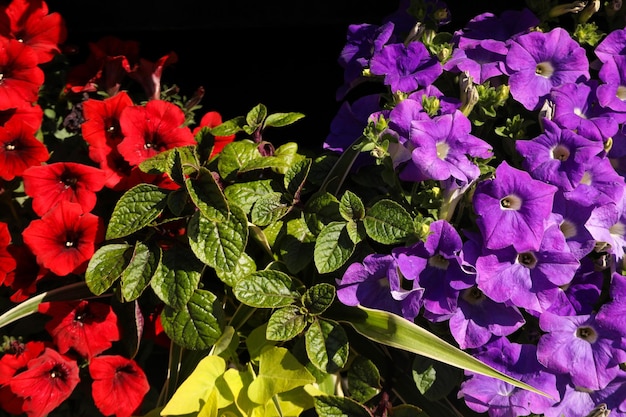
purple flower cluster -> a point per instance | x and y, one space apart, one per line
529 279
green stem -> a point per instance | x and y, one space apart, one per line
241 316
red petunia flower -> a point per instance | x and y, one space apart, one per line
213 119
101 129
152 129
30 23
88 76
64 239
88 327
19 149
24 278
119 385
7 262
148 74
13 363
21 77
30 114
63 181
48 381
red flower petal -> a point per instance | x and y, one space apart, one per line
19 148
64 239
68 181
88 327
21 77
48 381
213 119
119 385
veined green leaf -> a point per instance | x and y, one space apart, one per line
388 222
245 194
327 345
393 330
236 155
282 119
177 276
105 266
137 275
207 195
285 323
333 247
137 208
268 288
363 379
335 406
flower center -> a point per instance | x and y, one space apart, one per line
57 372
621 92
442 150
68 179
568 228
587 333
438 261
618 229
473 295
112 129
560 152
578 112
545 69
527 259
586 178
511 202
10 146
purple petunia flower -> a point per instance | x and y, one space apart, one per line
375 283
437 266
580 402
613 44
500 399
440 149
539 61
512 209
581 346
607 224
572 217
528 279
600 184
612 315
557 156
482 61
405 67
581 295
350 121
612 94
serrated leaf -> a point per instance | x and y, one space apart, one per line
282 119
295 177
256 115
137 208
334 406
387 222
268 288
285 323
243 267
333 247
279 371
142 266
219 244
207 195
318 298
229 127
198 325
245 194
268 209
327 345
105 266
363 379
191 394
236 155
177 276
351 207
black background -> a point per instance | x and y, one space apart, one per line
280 53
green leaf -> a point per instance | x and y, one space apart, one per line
408 410
245 194
351 207
295 177
356 231
279 371
219 244
387 222
363 379
142 266
243 267
333 247
321 209
434 379
137 208
198 325
256 116
229 127
268 209
296 246
175 162
105 266
285 323
177 201
395 331
318 298
334 406
192 393
177 276
235 156
327 345
207 195
282 119
269 289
